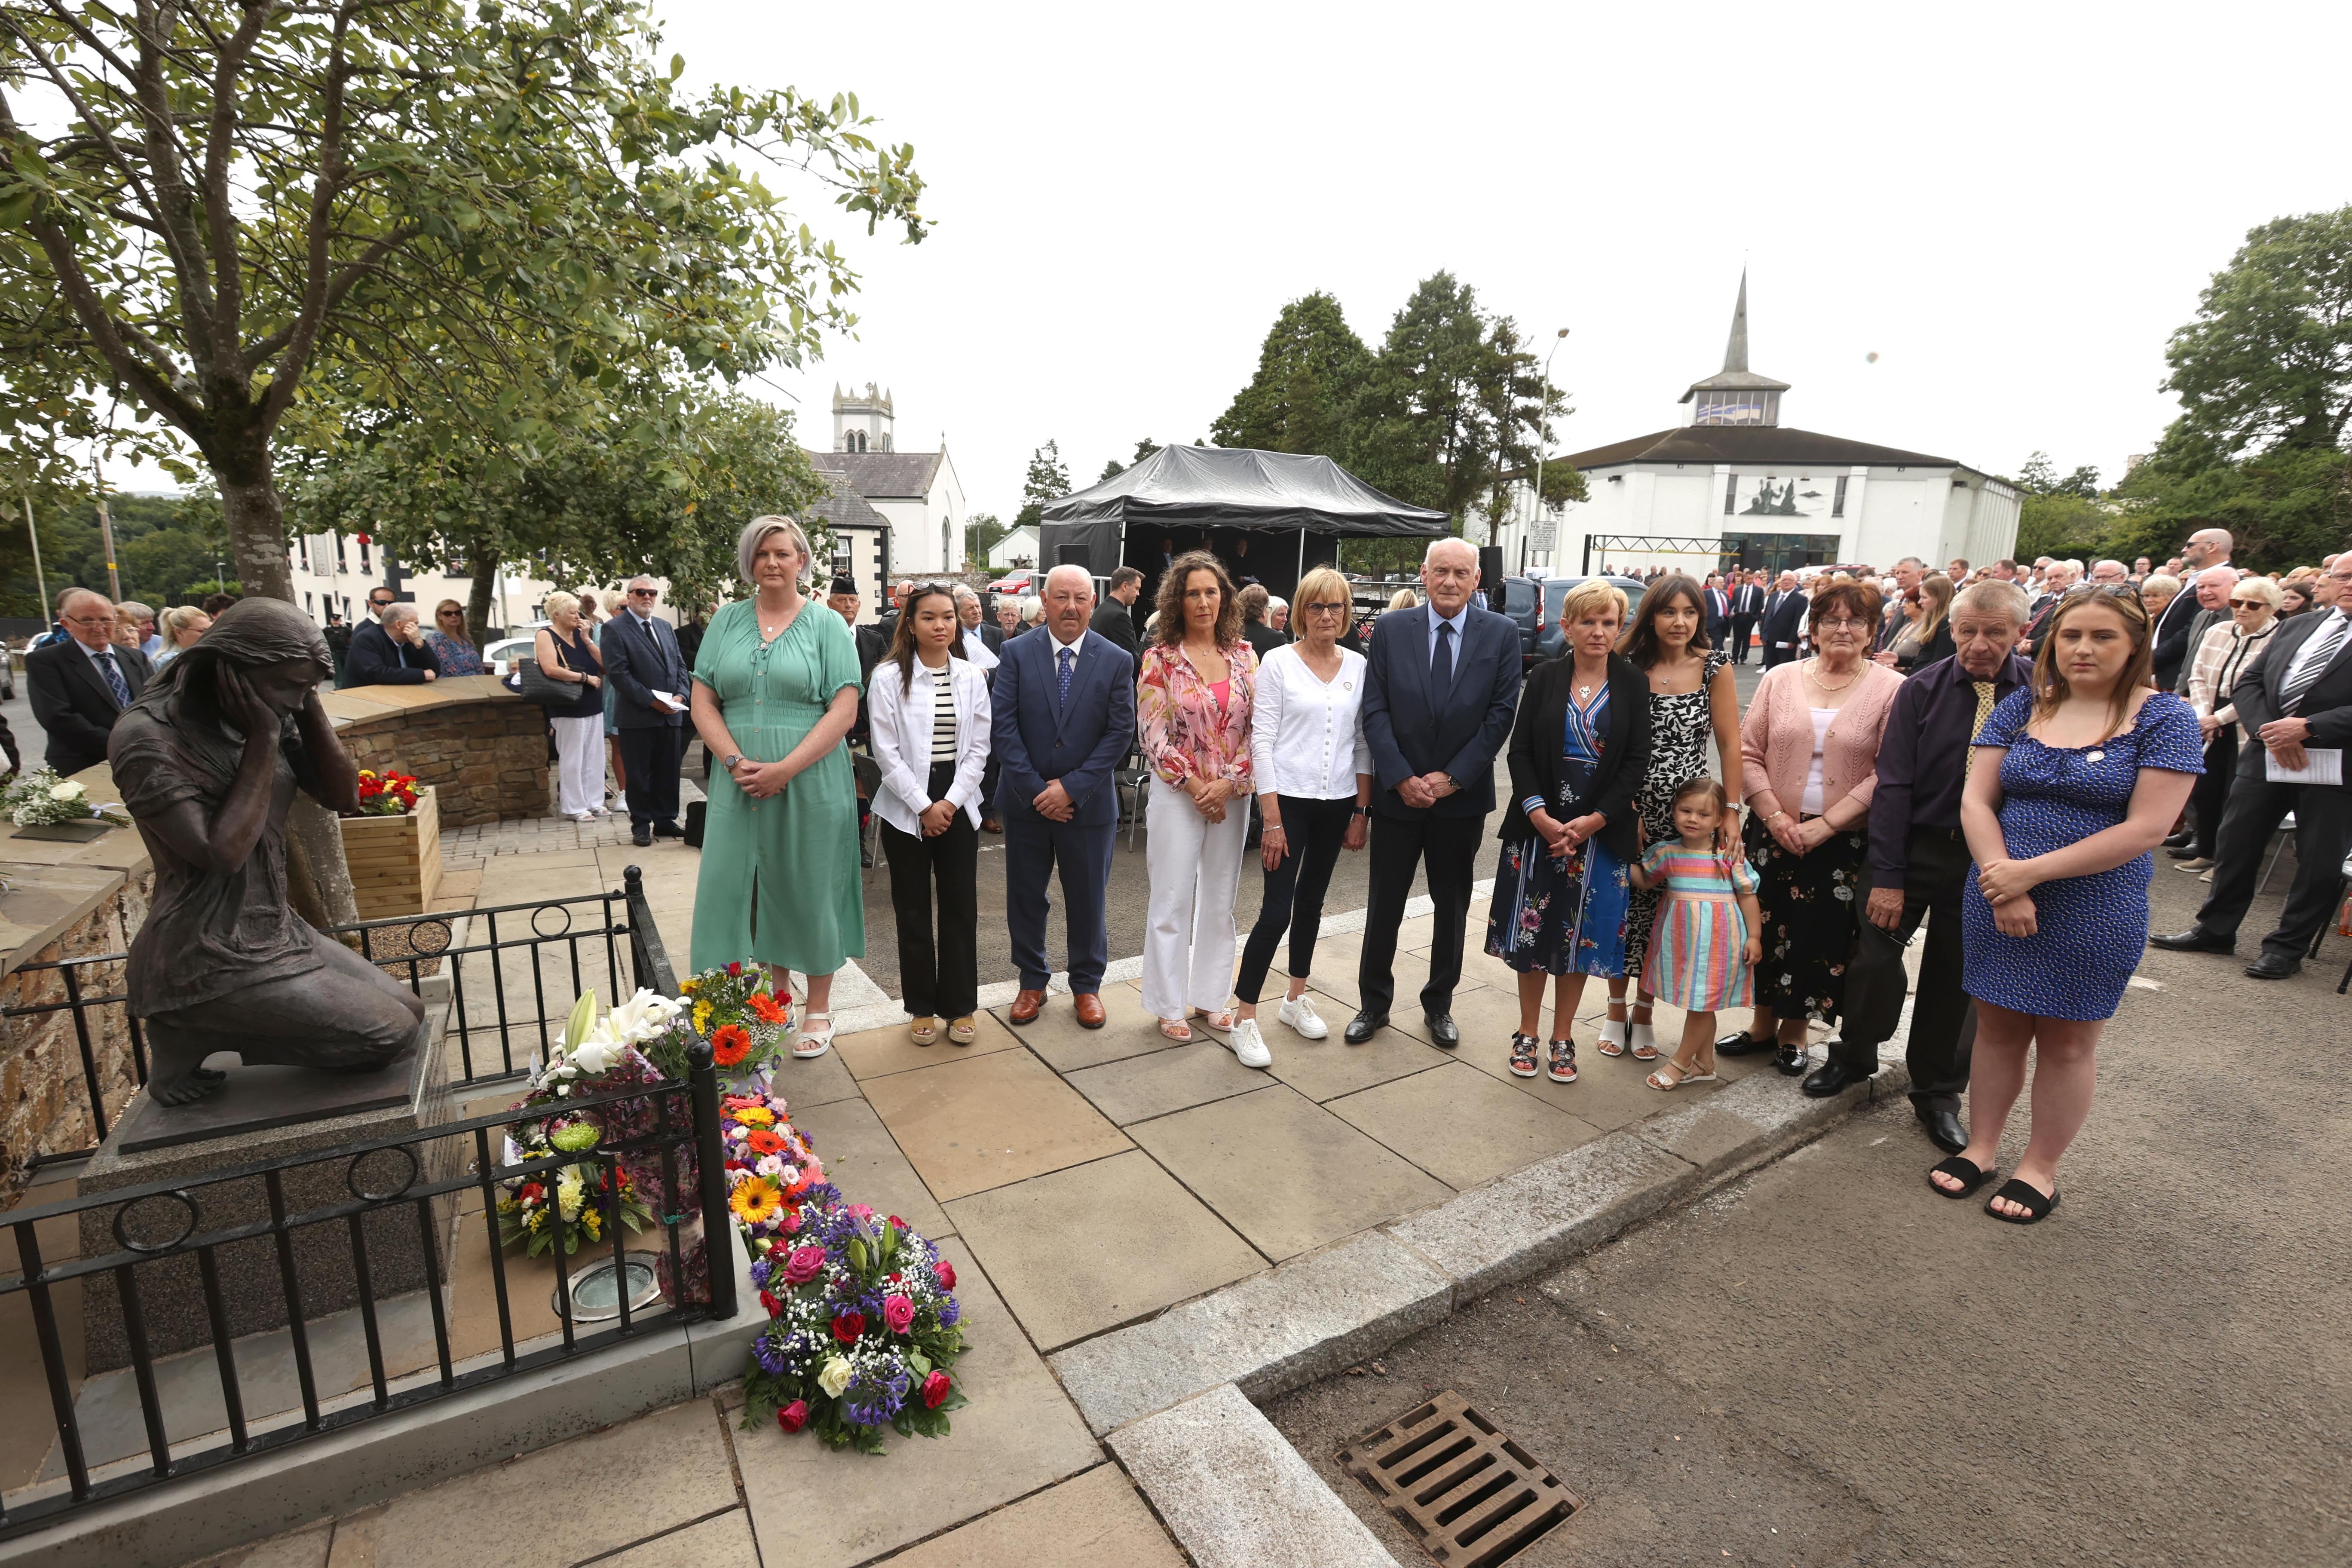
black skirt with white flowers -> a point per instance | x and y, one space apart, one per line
1811 904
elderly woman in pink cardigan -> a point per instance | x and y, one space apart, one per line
1808 759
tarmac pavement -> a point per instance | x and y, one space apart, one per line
1828 1364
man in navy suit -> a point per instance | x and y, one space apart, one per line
1747 607
1784 620
1718 610
650 685
1065 717
1439 696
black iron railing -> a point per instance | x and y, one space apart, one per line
517 944
242 1221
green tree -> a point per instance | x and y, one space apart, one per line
2284 507
1310 371
1143 448
2039 476
396 197
2268 360
982 530
1049 480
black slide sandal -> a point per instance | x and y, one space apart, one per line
1965 1170
2037 1207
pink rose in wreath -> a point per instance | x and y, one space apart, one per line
805 1265
946 1272
898 1312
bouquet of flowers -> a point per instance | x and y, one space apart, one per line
40 799
567 1204
748 1025
771 1168
593 1045
862 1329
387 794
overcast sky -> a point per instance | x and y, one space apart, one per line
2011 206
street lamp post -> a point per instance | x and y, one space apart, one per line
1539 461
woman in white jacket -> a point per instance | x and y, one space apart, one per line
928 710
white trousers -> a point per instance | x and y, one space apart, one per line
579 764
1195 867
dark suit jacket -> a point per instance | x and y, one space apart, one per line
1261 638
1747 599
1538 740
1719 614
1784 618
1113 622
2173 640
2327 705
1414 730
72 701
640 660
376 661
1039 739
2204 623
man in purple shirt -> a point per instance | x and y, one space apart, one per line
1919 863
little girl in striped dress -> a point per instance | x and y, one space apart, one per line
1707 932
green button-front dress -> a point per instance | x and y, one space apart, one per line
779 880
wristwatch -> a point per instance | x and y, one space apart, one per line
1362 811
729 761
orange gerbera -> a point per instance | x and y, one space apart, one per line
765 1141
728 1046
768 1009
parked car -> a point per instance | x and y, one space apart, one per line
500 656
1534 603
1024 581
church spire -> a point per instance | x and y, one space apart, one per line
1735 352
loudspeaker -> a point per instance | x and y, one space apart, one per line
1490 573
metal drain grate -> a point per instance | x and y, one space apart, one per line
1471 1496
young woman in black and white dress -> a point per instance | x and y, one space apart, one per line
1692 701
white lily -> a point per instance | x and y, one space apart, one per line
643 1016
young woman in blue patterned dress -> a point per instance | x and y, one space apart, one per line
2072 784
1578 750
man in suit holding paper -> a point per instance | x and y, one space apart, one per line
650 683
2298 695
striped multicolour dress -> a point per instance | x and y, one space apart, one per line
1697 958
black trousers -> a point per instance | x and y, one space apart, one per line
1451 845
1742 627
2323 817
1943 1017
652 757
940 978
1292 900
2211 799
1776 657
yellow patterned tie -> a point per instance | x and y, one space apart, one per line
1984 711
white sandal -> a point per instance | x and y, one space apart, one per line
810 1043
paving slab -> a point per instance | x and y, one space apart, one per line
1460 1125
877 1053
1127 1030
1283 1172
1514 1227
864 1161
1086 1522
1272 1332
1157 1082
1750 1121
1235 1494
301 1549
722 1542
813 1081
1328 1067
815 1507
981 1122
1085 1249
675 1467
1609 1093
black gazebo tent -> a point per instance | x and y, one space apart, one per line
1268 515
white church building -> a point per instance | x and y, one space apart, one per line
916 495
1731 485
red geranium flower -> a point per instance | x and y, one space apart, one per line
848 1326
729 1045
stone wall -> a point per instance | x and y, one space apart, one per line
44 1090
486 754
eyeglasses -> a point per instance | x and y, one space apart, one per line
644 593
90 620
1322 609
2251 604
1841 624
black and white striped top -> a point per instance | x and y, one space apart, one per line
943 715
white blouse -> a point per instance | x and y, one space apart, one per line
1307 738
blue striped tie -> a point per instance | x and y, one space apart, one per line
114 679
1065 699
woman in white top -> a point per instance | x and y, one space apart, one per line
1315 780
927 706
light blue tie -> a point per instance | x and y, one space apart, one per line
1065 699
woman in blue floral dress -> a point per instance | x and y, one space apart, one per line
2072 784
1577 752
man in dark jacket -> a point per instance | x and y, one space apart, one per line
391 652
1114 619
1784 620
80 686
1254 631
650 683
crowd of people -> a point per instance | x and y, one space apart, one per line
1993 753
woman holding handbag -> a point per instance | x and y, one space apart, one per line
567 658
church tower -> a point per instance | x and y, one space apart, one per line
1736 394
861 424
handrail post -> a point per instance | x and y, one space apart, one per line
648 959
710 1168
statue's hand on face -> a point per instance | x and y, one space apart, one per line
242 706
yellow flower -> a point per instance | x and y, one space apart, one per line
755 1201
686 986
755 1116
702 1017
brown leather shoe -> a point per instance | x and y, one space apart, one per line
1025 1005
1090 1010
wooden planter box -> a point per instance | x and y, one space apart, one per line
395 861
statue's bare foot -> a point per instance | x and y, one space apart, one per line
177 1076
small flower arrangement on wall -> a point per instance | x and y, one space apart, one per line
386 794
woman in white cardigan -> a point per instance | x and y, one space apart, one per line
927 707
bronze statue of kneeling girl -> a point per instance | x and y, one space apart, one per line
207 760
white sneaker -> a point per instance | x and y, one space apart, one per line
1249 1045
1300 1014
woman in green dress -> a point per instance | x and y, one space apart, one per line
775 690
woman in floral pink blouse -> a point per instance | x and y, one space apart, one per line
1194 705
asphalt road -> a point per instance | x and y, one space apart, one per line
1828 1364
